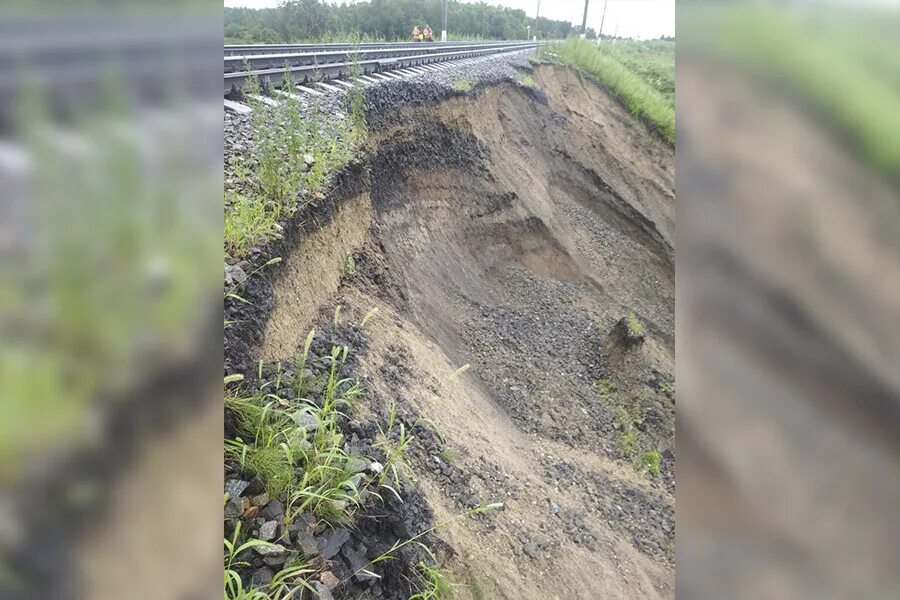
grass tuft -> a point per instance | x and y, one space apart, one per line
297 451
635 327
462 86
606 387
348 264
248 221
434 584
649 462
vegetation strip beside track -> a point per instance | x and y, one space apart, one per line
646 87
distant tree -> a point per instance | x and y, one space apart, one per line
312 20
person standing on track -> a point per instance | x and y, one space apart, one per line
416 33
427 33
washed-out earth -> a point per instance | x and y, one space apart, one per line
499 263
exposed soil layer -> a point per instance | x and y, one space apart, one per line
510 229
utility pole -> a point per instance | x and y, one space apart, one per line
584 20
603 18
444 29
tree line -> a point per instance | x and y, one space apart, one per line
315 20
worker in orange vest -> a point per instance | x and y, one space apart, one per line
416 33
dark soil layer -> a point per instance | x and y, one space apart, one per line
511 229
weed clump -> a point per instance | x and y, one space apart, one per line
606 387
434 584
635 327
348 265
626 420
296 449
649 462
462 85
294 151
248 222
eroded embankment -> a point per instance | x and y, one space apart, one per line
511 229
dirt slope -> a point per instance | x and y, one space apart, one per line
510 230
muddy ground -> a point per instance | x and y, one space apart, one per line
510 229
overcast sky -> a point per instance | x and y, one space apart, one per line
632 18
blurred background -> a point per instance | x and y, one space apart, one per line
110 242
788 300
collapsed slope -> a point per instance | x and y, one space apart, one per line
511 229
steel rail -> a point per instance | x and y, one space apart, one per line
396 59
250 49
278 60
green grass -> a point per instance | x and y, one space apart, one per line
627 442
248 221
652 61
526 80
844 63
296 448
649 462
627 418
627 415
305 463
273 445
462 86
630 86
394 441
294 575
433 584
635 327
606 387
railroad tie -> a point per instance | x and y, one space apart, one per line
309 90
288 95
241 109
330 88
264 99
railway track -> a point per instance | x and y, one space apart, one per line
249 49
329 61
